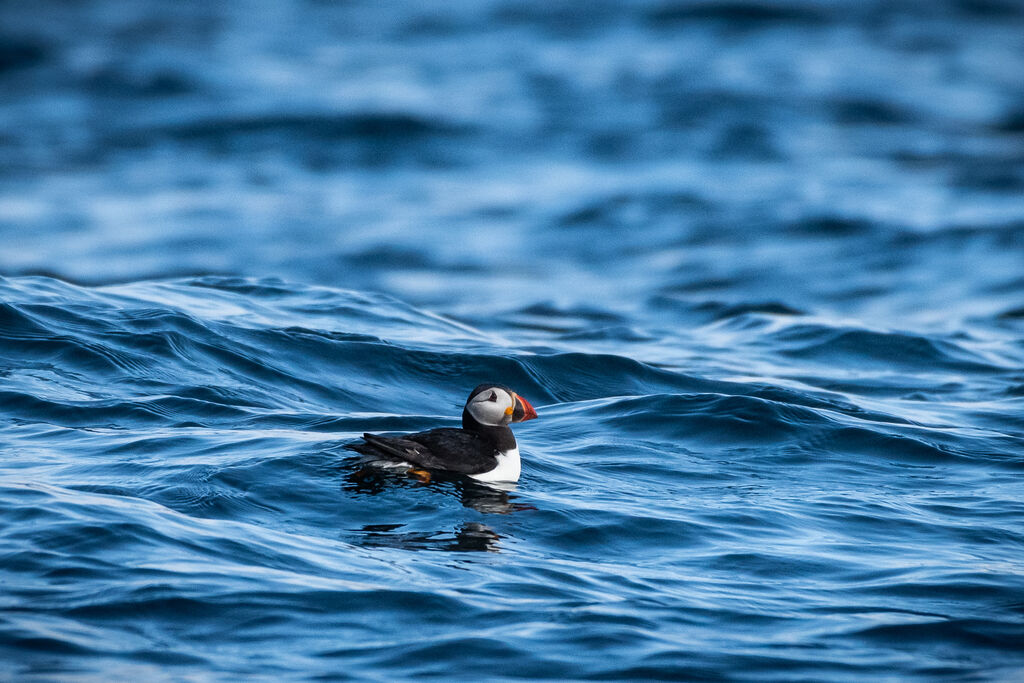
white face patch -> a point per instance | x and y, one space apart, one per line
492 407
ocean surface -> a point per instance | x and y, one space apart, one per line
759 266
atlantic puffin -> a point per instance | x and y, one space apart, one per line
483 449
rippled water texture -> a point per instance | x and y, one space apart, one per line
759 266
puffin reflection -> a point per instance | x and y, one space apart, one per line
467 537
491 497
485 497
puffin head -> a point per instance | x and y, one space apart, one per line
494 405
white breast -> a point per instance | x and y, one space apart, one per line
507 468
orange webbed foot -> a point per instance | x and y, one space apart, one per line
422 475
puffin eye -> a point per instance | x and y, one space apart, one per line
493 397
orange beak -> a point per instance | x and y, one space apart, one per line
522 411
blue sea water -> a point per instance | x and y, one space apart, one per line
759 266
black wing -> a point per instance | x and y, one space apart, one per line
455 450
